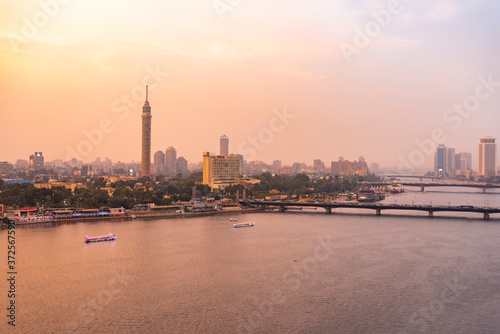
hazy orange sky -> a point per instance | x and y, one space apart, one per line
69 67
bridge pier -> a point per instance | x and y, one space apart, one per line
377 212
431 214
281 209
422 188
328 210
486 216
484 190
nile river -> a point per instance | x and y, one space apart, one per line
294 272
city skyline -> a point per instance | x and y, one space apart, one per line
230 76
447 162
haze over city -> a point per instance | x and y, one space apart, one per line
243 166
70 68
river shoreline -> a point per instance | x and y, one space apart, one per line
140 215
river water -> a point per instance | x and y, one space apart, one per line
294 272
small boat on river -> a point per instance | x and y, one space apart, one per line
247 224
108 237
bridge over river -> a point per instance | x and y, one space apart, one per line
377 207
423 185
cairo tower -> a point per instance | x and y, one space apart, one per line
146 138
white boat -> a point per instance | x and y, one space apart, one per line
108 237
233 219
247 224
32 219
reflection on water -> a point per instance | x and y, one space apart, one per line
291 273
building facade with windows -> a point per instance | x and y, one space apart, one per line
220 171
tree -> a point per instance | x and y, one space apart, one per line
98 183
196 177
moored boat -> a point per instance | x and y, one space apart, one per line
108 237
33 219
247 224
88 214
233 219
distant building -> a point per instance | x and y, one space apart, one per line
146 138
468 157
159 162
276 166
170 161
224 145
255 167
181 166
195 166
318 166
220 171
36 161
296 167
440 160
463 166
346 167
450 162
6 167
22 165
374 167
487 156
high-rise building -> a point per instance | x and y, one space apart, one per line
296 167
159 162
468 157
463 166
220 171
318 166
450 162
440 159
36 161
146 138
276 166
181 166
487 156
224 145
170 161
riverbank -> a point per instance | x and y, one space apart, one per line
166 215
140 215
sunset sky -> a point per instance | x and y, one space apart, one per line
77 69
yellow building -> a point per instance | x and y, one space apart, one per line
52 184
220 171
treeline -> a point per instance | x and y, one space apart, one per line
301 184
92 195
